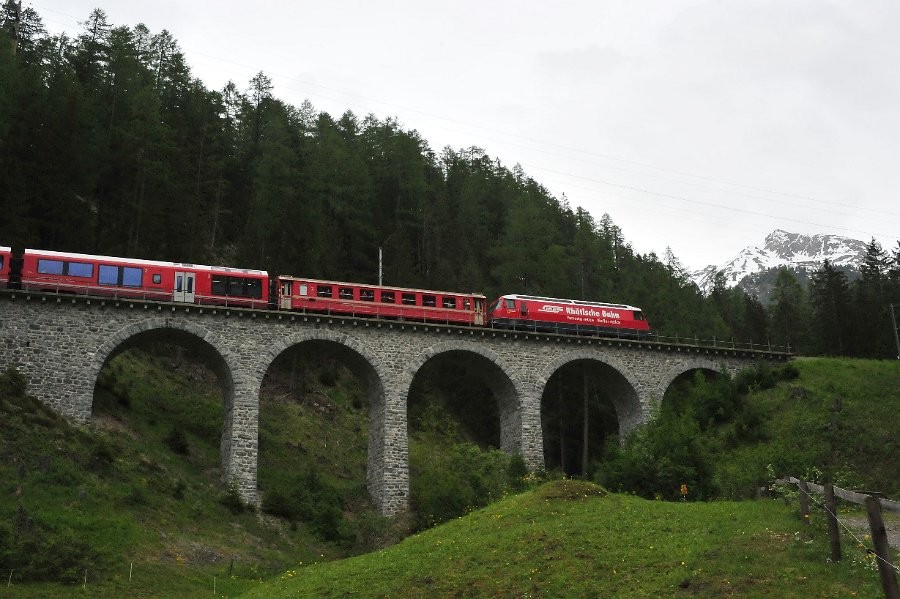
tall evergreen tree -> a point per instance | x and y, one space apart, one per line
788 314
872 322
829 297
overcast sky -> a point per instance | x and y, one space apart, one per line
700 125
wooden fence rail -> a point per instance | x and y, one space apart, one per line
888 505
874 505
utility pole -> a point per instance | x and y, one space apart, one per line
896 338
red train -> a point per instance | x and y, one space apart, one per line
5 258
84 274
143 279
567 316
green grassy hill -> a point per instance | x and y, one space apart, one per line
135 501
838 419
572 539
138 494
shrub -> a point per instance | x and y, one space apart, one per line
177 441
231 499
40 552
178 488
464 479
658 459
307 498
516 473
12 383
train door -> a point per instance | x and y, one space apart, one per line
184 287
479 312
286 292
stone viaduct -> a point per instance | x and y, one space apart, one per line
61 343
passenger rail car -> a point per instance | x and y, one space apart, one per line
5 259
312 295
86 274
547 314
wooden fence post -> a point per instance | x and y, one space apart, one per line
804 501
834 532
882 550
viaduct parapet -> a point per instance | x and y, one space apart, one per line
61 343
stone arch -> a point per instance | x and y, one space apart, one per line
682 368
239 427
505 387
387 467
130 335
631 411
375 375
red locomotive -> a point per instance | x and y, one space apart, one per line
550 314
107 276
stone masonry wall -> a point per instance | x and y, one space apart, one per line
61 343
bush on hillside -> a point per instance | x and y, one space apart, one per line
35 551
307 498
12 383
462 479
679 445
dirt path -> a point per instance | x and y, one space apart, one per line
860 526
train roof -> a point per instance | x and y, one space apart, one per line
385 287
3 248
140 262
570 301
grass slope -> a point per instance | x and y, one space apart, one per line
141 487
572 539
838 419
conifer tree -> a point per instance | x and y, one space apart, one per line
829 297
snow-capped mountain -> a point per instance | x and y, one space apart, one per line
803 254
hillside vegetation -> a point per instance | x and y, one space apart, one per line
139 492
572 539
136 501
819 418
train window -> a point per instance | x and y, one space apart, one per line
1 262
109 275
449 302
324 291
345 293
132 277
190 285
253 288
50 267
638 316
387 297
429 300
157 279
367 295
409 299
499 304
236 286
467 304
304 289
510 304
219 285
80 269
